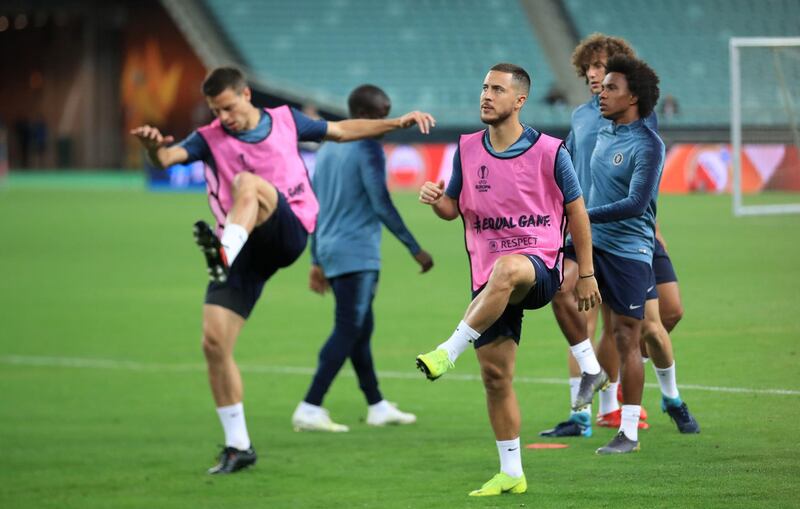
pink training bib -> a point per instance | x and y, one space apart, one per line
275 159
510 206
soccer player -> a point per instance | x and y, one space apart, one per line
626 167
259 193
589 60
350 184
515 189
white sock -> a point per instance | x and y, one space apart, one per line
380 406
233 238
309 408
232 419
510 457
645 359
608 399
666 379
584 354
462 337
630 421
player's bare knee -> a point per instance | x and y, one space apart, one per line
495 379
561 300
626 337
213 345
267 195
651 331
505 272
671 316
562 304
570 278
240 180
245 183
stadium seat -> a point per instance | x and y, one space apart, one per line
431 56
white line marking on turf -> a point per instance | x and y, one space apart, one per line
81 362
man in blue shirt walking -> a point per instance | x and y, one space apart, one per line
350 184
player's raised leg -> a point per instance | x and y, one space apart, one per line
254 202
511 274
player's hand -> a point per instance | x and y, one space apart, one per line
317 281
587 293
431 192
151 137
425 260
425 121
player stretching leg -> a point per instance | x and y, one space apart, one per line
506 190
259 193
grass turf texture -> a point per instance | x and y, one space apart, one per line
110 274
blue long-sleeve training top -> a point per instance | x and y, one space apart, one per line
586 122
350 184
626 170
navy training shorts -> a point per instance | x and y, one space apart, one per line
510 322
624 282
275 244
662 265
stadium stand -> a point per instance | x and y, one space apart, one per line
427 55
690 53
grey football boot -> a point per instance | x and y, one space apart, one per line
620 444
589 385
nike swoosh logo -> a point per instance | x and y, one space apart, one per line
514 449
631 306
651 288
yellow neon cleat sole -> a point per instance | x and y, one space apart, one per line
434 364
502 483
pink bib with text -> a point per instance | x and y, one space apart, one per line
510 206
275 159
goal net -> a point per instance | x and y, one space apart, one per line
765 125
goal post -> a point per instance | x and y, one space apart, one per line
764 96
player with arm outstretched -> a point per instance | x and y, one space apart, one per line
259 193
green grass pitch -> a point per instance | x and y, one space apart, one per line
105 403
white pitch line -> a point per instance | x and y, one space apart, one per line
80 362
